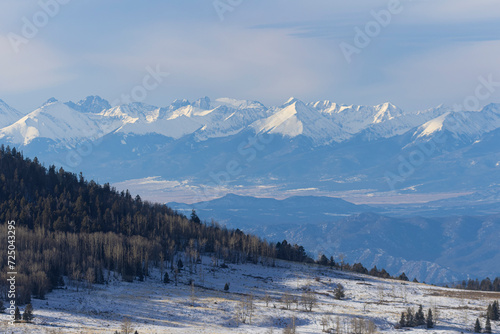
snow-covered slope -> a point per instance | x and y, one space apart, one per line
294 118
54 121
8 115
382 121
463 125
262 299
222 118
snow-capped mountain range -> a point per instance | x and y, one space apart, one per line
321 145
322 122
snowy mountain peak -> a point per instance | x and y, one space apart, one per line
295 118
179 103
291 101
50 101
55 121
91 104
385 112
203 103
322 105
132 112
432 126
238 104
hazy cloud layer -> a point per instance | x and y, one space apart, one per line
431 52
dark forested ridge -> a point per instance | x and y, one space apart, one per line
67 226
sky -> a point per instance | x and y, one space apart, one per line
415 54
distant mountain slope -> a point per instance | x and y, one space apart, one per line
248 211
54 121
434 250
8 115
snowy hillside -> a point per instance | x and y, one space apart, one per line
260 299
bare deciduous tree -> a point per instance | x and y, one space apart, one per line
325 321
286 299
308 300
126 327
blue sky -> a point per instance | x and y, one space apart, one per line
431 52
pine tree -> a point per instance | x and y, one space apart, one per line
402 321
410 318
487 326
323 260
495 312
339 292
403 277
429 321
477 326
17 314
166 279
28 313
194 217
419 317
226 287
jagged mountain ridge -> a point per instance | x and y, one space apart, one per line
320 145
322 122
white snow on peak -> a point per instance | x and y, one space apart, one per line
322 121
225 117
386 112
295 118
467 125
54 121
285 122
433 126
237 104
